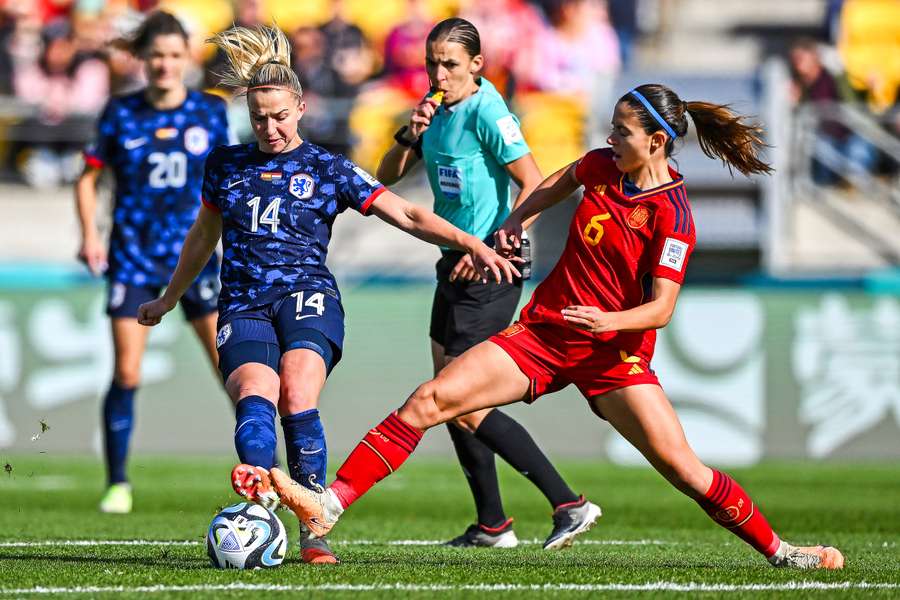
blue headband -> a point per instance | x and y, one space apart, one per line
668 129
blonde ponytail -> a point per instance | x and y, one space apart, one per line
257 58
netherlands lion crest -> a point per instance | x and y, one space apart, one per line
302 186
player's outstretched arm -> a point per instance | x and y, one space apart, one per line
199 244
553 190
427 226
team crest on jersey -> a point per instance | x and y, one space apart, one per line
270 175
302 186
223 335
196 140
166 133
638 217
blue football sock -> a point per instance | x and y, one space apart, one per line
254 431
118 420
307 454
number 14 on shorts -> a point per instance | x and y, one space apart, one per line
315 301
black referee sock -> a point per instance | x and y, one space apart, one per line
477 461
503 434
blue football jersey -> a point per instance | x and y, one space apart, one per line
277 214
157 159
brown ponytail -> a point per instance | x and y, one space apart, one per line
724 134
721 132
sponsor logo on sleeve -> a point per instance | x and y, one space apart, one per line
365 176
196 140
673 254
509 129
302 186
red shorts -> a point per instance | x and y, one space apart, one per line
553 357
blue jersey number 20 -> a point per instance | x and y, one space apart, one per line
169 169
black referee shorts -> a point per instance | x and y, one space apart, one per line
466 313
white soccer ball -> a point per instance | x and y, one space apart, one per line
246 536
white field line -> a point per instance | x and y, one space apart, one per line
657 586
50 543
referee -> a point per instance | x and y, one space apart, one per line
472 146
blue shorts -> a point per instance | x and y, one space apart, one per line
306 319
200 300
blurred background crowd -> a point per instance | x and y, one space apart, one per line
830 104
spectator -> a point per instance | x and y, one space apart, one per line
340 33
509 30
247 13
579 53
623 14
65 88
404 51
329 97
813 84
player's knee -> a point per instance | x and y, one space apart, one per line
467 423
421 409
294 400
127 376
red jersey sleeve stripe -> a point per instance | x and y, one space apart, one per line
93 161
210 205
364 209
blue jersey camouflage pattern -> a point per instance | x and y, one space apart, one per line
277 214
157 159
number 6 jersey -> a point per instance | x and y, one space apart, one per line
157 160
277 214
619 240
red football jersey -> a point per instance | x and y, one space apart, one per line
617 244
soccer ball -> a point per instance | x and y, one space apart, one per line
246 536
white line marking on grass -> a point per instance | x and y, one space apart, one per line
663 586
50 543
528 542
42 543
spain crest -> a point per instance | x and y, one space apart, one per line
638 217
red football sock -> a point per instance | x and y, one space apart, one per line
378 455
730 506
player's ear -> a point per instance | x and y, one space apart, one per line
657 141
301 107
476 64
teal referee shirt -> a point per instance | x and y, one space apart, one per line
465 150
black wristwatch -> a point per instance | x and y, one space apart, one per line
416 145
398 137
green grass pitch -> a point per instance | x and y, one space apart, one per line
650 542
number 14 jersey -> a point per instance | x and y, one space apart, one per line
277 214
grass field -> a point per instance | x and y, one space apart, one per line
650 542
